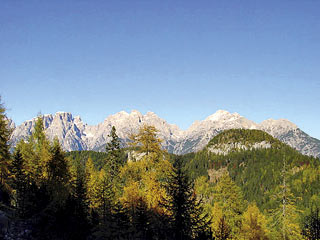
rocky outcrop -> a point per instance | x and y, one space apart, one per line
224 149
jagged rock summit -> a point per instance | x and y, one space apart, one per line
74 134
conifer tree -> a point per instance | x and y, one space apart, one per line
141 220
114 144
36 153
90 169
91 181
36 194
19 183
286 216
229 200
114 161
58 173
78 203
254 224
30 197
80 191
222 231
55 191
58 168
185 210
204 191
103 197
120 222
147 141
118 227
311 225
5 133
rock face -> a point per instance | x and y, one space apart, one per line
69 130
224 149
74 134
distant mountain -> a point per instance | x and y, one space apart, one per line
74 134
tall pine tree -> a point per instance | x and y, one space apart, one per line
58 174
5 133
19 184
36 153
148 142
228 200
187 220
286 216
114 161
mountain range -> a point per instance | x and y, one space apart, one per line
74 134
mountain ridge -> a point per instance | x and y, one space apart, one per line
74 134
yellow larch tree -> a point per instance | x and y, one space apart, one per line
228 197
148 142
92 176
254 224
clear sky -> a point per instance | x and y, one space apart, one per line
182 60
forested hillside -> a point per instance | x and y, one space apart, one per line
244 185
259 171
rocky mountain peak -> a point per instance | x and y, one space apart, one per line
283 123
117 116
222 115
151 114
76 135
63 116
277 127
135 113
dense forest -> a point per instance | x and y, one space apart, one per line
244 185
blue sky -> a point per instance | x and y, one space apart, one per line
182 60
